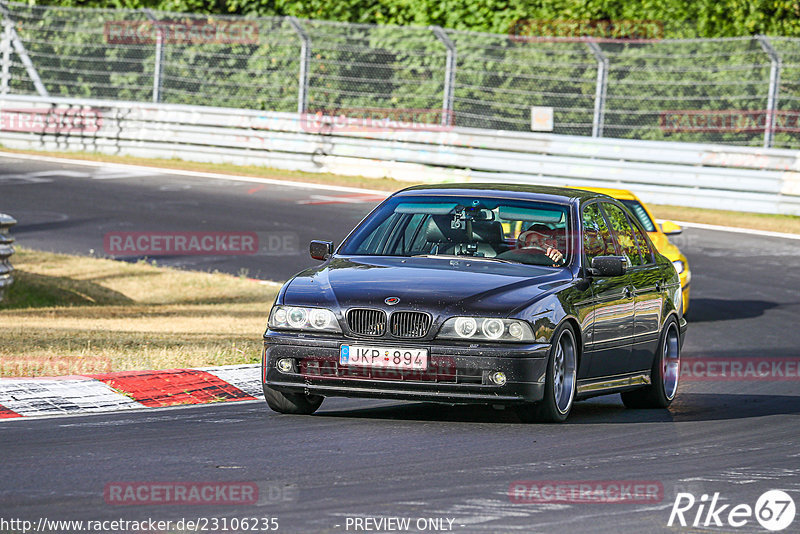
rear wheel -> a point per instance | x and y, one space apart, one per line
664 375
560 381
291 403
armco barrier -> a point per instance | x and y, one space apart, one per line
696 175
6 250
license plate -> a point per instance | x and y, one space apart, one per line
391 357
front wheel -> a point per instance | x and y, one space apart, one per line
560 381
291 403
663 376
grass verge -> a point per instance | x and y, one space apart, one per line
756 221
76 315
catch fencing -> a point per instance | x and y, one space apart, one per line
738 91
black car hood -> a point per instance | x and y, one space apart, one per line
437 285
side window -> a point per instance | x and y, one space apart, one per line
597 239
644 247
623 232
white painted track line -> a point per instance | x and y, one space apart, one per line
735 229
305 185
178 172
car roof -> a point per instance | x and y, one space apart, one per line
562 195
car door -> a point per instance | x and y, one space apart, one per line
646 278
612 331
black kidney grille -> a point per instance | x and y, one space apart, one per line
409 324
367 322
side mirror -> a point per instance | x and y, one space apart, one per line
321 250
606 266
670 228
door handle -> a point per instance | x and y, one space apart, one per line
627 293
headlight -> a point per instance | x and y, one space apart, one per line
678 266
297 318
465 326
486 328
493 328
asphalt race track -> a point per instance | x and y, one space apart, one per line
69 208
381 459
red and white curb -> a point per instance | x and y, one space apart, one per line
127 390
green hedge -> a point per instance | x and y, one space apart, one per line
703 18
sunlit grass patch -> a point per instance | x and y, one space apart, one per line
76 315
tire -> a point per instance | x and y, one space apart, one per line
560 381
664 374
291 403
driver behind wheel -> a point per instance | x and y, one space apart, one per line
540 239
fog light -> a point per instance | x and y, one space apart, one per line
285 365
498 377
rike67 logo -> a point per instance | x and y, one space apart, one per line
774 510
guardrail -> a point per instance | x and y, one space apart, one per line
6 251
686 174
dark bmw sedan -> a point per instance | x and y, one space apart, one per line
531 297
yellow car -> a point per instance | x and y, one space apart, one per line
658 234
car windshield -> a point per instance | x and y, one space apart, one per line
640 213
515 231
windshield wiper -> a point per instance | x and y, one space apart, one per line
464 258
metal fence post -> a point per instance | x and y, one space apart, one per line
598 120
6 251
449 75
305 56
159 59
774 85
5 48
19 48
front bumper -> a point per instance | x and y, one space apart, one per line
683 325
456 374
686 281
